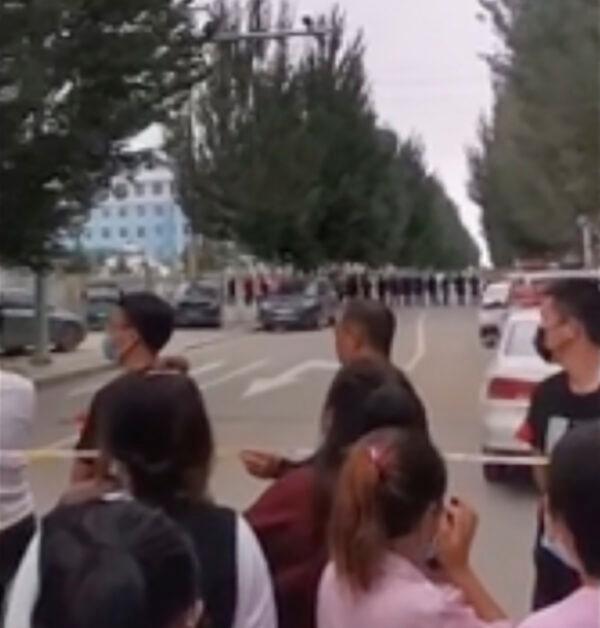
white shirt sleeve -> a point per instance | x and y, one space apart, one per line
255 601
25 588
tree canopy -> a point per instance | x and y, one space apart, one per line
537 166
281 150
77 79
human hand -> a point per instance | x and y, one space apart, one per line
261 464
455 537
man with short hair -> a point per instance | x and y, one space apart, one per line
571 335
139 328
365 330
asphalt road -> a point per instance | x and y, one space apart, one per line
266 390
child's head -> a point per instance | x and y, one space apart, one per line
117 564
391 487
573 500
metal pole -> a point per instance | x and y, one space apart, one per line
587 244
226 38
41 355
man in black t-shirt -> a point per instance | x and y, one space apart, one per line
571 334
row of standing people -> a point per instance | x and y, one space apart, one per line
382 506
392 289
417 289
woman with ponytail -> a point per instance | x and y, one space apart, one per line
400 558
291 517
157 440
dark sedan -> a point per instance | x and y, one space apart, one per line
199 304
18 324
299 304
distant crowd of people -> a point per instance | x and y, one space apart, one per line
396 289
416 289
361 534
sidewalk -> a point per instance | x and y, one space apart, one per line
88 359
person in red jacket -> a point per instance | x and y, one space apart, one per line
291 517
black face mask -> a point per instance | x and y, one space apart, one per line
540 345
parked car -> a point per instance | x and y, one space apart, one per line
511 378
199 304
299 304
100 299
17 324
526 288
492 313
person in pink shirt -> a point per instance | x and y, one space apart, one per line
573 516
400 558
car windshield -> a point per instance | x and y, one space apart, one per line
16 299
520 339
200 291
294 287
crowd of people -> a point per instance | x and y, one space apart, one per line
361 533
394 288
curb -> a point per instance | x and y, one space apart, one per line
42 380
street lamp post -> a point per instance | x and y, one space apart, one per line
587 244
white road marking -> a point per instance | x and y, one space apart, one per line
291 376
206 368
421 345
249 368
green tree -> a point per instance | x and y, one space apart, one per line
77 79
282 152
536 167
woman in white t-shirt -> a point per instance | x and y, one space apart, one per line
387 519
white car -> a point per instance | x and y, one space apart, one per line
492 312
510 381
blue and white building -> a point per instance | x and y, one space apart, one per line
139 212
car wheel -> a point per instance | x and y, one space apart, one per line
494 473
69 338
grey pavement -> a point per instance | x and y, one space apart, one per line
439 348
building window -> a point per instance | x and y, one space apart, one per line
157 188
158 230
123 232
141 210
87 234
106 213
106 233
123 212
120 191
141 231
158 210
139 189
173 188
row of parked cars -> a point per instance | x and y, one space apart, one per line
509 319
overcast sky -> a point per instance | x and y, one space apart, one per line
427 77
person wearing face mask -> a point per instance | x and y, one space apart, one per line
388 523
573 514
570 337
138 329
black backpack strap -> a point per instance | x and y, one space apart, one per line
213 531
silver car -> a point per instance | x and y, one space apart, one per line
17 324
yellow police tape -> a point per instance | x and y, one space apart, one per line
40 455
